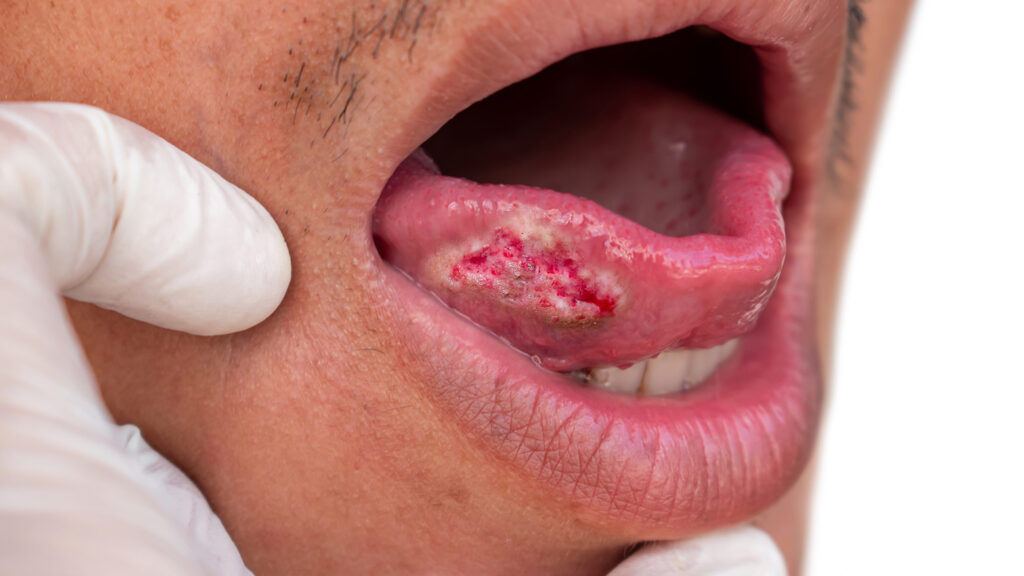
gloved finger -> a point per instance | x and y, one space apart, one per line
739 551
133 224
187 506
71 502
107 212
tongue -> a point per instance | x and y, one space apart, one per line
688 257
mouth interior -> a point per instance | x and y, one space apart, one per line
563 129
667 133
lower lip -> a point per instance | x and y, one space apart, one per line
653 467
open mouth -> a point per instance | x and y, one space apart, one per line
597 257
632 232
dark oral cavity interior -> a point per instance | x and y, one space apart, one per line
562 129
618 204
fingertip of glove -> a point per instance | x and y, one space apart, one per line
242 281
739 550
258 291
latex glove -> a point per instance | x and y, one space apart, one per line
739 551
101 210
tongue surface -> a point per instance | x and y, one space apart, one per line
641 221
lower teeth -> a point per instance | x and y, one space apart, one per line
670 372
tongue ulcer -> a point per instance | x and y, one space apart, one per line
534 277
576 285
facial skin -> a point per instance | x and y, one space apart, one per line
314 435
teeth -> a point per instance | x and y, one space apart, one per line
627 381
670 372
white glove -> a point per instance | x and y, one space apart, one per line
739 551
99 209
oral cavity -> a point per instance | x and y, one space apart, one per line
646 234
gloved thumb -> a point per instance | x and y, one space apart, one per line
739 551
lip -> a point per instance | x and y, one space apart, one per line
653 468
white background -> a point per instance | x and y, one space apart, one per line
922 468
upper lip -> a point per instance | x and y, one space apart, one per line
657 469
799 44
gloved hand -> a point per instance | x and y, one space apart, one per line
738 551
98 209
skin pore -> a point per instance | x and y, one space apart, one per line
312 435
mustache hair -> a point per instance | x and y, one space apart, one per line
330 92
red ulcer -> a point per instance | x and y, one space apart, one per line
529 277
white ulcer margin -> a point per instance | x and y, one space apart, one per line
667 373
